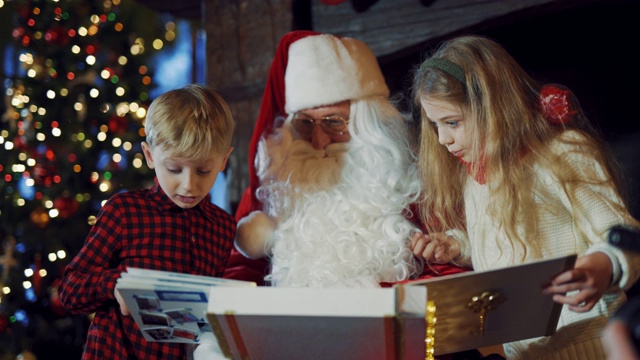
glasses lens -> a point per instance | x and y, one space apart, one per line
334 125
303 125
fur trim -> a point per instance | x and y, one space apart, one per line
325 69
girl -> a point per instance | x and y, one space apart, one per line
533 181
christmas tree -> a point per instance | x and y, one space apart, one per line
70 135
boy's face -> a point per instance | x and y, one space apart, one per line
185 181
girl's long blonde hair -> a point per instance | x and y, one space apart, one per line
500 103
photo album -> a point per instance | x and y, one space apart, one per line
168 306
437 316
456 313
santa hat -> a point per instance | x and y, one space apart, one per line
326 69
310 69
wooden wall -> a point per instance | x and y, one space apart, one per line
242 36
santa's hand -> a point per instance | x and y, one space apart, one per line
252 234
437 248
124 309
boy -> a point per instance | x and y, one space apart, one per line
172 226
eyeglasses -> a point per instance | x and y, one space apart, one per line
334 125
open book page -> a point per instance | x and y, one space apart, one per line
170 307
181 277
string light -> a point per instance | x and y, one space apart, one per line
137 163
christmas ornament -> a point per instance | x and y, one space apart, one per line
5 324
556 105
66 206
37 278
117 124
40 217
54 299
7 261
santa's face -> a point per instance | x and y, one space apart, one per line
289 166
324 125
310 160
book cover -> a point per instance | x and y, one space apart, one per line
479 309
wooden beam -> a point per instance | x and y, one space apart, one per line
394 26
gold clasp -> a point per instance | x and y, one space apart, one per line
483 304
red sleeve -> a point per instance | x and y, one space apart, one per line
89 280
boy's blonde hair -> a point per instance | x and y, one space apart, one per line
191 122
507 127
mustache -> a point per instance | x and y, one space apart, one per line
302 149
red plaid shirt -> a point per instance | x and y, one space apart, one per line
144 229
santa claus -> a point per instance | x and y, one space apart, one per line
332 174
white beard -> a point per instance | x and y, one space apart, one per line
290 168
338 224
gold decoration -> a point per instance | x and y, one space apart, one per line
7 261
483 304
40 217
430 334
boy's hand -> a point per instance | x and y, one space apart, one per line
436 248
123 306
590 276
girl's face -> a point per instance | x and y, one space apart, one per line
449 122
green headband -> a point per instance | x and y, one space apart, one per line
447 66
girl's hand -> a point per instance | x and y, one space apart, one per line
436 248
124 309
590 276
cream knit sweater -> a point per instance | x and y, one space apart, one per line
563 227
